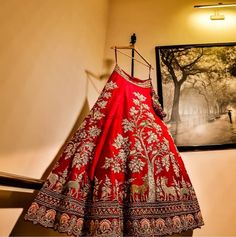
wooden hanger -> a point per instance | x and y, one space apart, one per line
131 47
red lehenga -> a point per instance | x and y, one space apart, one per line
120 174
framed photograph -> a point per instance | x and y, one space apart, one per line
197 89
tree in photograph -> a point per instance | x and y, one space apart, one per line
228 58
168 94
177 65
219 77
202 89
212 78
206 83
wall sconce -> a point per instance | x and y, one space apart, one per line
217 5
217 15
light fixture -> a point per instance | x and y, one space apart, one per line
217 5
217 15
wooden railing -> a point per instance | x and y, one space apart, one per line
12 180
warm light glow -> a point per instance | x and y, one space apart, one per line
217 16
202 20
218 5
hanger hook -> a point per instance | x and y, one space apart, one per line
133 39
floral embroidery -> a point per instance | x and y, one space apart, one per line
136 165
120 141
117 162
139 152
110 86
166 162
81 147
106 223
102 104
120 173
154 154
94 131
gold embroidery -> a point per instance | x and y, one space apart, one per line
138 82
109 207
107 218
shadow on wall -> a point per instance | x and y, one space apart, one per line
26 145
108 63
26 228
84 111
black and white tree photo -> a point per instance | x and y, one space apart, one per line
198 90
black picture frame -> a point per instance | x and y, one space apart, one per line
197 89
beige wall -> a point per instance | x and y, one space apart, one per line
213 176
168 22
45 48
